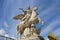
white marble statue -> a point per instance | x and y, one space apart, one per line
27 15
34 17
23 18
27 19
32 20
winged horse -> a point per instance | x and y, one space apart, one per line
32 20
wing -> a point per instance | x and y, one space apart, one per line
20 16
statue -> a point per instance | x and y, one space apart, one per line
32 31
27 19
23 17
34 17
27 15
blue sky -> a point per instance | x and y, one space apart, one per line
48 10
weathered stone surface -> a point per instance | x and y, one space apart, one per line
30 38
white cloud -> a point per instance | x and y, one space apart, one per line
5 24
6 35
2 32
13 37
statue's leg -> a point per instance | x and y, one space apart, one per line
27 18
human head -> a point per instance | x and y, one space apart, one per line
28 8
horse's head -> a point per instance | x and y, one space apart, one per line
35 8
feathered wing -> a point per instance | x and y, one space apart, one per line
20 16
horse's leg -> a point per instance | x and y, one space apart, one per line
20 36
40 21
17 35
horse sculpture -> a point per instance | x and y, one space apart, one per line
32 20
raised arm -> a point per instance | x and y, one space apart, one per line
21 9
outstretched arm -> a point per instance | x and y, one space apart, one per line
21 9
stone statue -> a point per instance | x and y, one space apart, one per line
27 27
27 15
23 18
27 19
34 17
31 31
